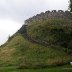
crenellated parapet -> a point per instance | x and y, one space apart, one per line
50 15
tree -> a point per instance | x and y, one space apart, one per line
70 6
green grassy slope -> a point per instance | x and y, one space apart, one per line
21 52
25 54
53 32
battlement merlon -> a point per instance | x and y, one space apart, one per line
50 14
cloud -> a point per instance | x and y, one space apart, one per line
7 27
23 9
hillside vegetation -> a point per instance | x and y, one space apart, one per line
53 32
39 44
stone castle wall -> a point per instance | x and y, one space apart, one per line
50 15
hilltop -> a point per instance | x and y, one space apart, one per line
41 42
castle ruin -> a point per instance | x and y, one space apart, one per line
50 15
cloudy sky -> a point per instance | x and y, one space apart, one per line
14 12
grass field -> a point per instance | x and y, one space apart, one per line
54 69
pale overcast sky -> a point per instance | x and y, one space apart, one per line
14 12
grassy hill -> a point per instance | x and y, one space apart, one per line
40 44
54 32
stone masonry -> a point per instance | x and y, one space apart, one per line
50 15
